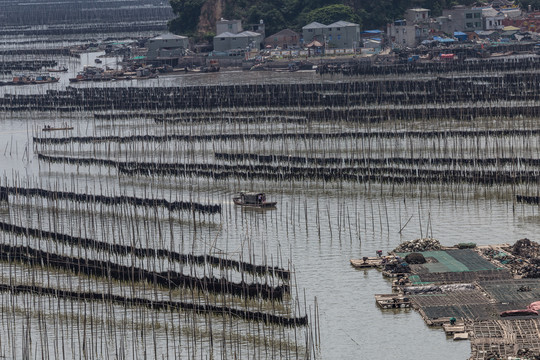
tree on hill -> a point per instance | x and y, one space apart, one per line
294 14
187 12
332 13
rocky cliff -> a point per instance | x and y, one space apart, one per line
211 12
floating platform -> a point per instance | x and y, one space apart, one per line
450 329
474 287
461 336
392 301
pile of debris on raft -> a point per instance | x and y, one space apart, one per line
396 267
526 249
418 245
522 258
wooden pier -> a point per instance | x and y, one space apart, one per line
392 301
450 329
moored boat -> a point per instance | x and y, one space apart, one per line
27 80
63 69
50 128
253 199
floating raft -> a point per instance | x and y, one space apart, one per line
457 328
392 301
461 336
370 262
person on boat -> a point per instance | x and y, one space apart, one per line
260 199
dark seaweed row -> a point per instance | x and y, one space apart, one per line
34 51
92 15
26 65
535 200
335 135
144 252
377 161
157 25
309 97
157 305
234 119
357 174
112 200
354 174
432 67
167 279
353 115
206 117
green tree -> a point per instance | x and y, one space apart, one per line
332 13
187 12
294 14
535 4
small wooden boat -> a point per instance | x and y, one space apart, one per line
367 262
63 69
253 199
50 128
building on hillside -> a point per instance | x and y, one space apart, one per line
401 35
417 16
492 18
341 34
285 39
230 26
462 18
258 28
314 31
246 40
411 31
166 48
529 23
498 4
512 13
231 36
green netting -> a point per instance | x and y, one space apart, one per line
453 261
508 291
477 312
472 260
415 279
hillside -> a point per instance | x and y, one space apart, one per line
198 17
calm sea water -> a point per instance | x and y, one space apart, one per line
317 227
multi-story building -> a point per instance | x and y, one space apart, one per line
462 18
412 30
234 38
492 19
166 46
529 23
285 39
417 16
246 40
339 35
230 26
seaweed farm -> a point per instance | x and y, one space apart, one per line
120 238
